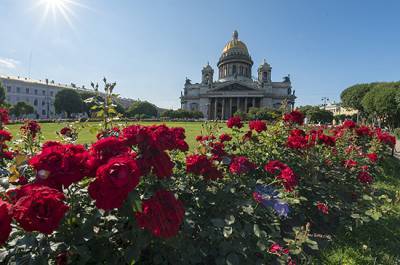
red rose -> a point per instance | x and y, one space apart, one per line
162 214
225 137
162 165
66 131
38 208
217 150
50 144
5 136
349 124
275 249
364 177
275 166
322 207
60 165
294 117
386 138
258 125
373 157
201 165
234 121
363 131
114 181
104 149
31 128
350 163
5 221
327 140
241 165
4 118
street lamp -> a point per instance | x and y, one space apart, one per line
324 99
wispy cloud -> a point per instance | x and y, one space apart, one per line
8 63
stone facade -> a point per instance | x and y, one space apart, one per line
40 94
235 88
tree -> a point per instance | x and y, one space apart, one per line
380 103
142 108
21 108
69 101
263 114
2 94
182 114
316 115
352 96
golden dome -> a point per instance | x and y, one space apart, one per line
236 44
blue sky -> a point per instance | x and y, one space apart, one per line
149 47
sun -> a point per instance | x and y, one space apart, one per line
58 8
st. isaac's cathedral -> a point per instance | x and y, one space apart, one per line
235 89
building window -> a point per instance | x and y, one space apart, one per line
43 103
43 92
18 89
8 89
241 70
35 102
51 93
234 69
35 91
27 90
246 72
43 112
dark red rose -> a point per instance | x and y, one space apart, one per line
258 125
297 142
5 221
282 172
241 165
62 258
201 165
275 249
349 124
199 138
31 128
327 140
66 131
234 121
294 117
364 131
4 118
386 138
162 165
50 144
114 181
225 137
104 149
38 208
162 214
364 177
60 165
275 166
5 136
350 163
323 208
373 157
217 151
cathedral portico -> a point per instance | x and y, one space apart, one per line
235 90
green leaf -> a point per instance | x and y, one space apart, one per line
232 259
218 222
256 230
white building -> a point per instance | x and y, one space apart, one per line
235 88
40 94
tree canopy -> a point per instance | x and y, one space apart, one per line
316 115
381 102
182 114
352 96
21 108
69 101
142 108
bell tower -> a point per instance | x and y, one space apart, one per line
264 73
207 75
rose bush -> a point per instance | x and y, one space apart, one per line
256 194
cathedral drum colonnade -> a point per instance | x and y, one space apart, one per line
235 88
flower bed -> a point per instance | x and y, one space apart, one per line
270 193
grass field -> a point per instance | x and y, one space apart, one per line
374 243
87 136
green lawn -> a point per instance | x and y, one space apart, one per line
374 243
87 136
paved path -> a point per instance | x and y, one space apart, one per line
397 149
